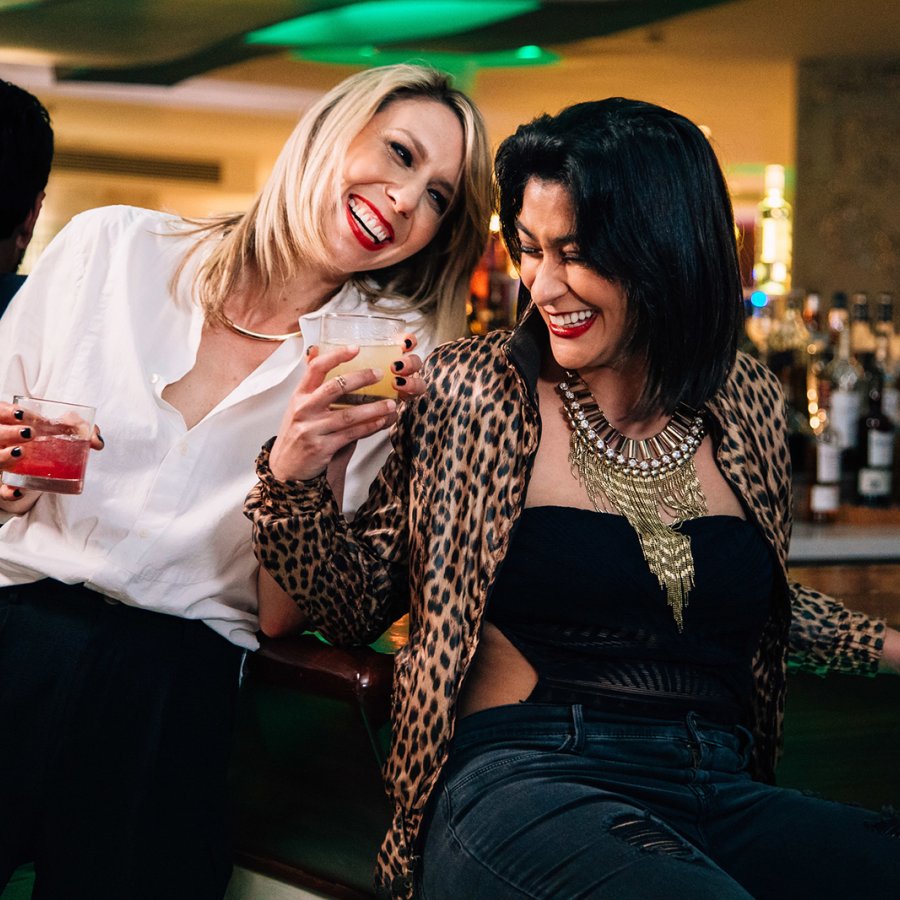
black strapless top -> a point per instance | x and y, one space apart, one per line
575 597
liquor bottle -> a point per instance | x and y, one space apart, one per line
838 324
812 312
818 358
838 318
772 265
845 378
862 335
788 347
876 438
825 488
886 363
758 326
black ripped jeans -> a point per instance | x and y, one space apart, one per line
559 802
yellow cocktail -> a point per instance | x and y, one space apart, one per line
379 339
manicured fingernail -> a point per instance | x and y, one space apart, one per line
407 343
101 438
25 433
310 349
398 365
400 381
16 452
17 493
19 414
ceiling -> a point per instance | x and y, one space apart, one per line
117 73
167 41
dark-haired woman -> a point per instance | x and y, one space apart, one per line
588 522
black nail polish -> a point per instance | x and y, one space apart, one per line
16 452
310 349
101 438
398 366
25 433
400 382
19 414
407 343
17 493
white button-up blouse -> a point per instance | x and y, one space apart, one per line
159 523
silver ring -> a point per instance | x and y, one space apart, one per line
343 384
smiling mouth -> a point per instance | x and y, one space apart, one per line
367 224
571 324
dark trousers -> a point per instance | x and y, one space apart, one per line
557 803
115 732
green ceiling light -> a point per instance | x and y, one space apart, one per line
389 21
462 66
449 62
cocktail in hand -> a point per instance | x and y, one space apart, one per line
380 342
56 456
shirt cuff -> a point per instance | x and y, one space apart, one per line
288 498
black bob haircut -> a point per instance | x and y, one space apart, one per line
653 214
26 154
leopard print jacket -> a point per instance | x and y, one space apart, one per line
436 526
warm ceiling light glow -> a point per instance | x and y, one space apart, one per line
389 21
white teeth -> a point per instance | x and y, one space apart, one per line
562 320
367 219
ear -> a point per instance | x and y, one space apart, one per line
25 231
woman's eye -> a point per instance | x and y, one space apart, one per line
439 200
402 152
528 251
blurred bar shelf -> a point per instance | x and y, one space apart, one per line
859 535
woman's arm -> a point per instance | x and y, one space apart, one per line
344 578
827 637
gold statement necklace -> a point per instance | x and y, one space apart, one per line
257 335
641 479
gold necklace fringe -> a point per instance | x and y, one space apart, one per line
642 479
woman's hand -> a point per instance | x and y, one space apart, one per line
312 433
890 660
18 428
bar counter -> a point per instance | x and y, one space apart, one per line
844 542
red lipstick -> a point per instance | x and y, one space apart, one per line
571 331
367 224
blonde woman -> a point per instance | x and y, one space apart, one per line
124 611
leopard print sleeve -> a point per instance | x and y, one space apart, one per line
827 637
349 579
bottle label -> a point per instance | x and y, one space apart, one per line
890 404
874 483
828 463
824 498
880 449
845 407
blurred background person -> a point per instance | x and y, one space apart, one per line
26 153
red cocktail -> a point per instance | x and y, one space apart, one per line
56 457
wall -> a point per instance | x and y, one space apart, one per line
847 231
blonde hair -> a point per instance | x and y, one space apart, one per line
284 229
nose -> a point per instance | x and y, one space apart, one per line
404 197
548 283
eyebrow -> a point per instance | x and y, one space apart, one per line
560 241
423 153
